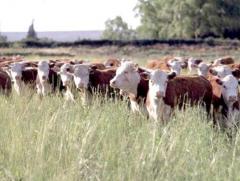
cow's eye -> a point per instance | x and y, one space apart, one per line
125 72
68 69
152 82
224 87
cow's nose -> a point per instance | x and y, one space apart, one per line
232 98
159 94
44 77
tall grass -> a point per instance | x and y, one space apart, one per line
50 139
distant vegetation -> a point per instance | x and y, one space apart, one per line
117 29
161 19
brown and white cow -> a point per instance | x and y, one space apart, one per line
112 62
225 98
66 73
192 64
223 61
47 79
88 79
21 75
167 91
129 80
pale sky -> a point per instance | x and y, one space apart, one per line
64 15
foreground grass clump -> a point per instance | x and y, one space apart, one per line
52 140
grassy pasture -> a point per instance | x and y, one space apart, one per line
51 139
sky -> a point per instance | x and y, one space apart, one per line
64 15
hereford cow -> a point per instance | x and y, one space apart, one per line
112 63
225 98
5 83
22 76
47 79
192 64
203 69
175 66
223 61
129 79
66 73
166 92
88 79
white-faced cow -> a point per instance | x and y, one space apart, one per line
88 79
21 75
166 92
192 64
225 98
129 80
47 79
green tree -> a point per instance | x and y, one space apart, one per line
189 18
31 32
117 29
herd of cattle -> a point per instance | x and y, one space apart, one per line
154 90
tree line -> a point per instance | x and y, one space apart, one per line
184 19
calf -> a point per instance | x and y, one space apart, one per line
47 79
203 69
175 66
88 79
166 92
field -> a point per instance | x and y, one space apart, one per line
51 139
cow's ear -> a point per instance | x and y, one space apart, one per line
171 75
213 72
236 73
93 67
51 64
145 75
219 82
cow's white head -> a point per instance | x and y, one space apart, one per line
175 66
16 71
81 75
221 71
203 69
229 89
158 81
66 73
43 71
127 78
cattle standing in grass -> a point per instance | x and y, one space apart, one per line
22 76
203 69
129 80
67 80
225 98
223 61
88 79
192 64
112 63
166 92
47 79
5 83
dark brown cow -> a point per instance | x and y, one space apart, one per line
5 83
88 79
